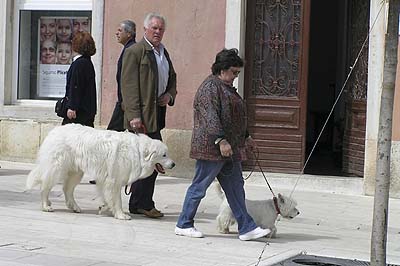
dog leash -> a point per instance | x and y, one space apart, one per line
134 132
274 198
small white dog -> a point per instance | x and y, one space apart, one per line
113 159
264 212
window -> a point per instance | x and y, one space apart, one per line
20 94
44 52
30 78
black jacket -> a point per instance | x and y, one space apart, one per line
81 87
119 67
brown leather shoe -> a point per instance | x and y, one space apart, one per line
158 211
153 213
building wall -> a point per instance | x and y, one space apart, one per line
195 32
24 123
375 79
396 107
21 139
395 157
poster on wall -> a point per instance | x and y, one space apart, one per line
55 52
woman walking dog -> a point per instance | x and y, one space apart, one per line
218 145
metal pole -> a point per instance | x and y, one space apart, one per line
382 184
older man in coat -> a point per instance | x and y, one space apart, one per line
148 84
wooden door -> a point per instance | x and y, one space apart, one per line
276 81
356 90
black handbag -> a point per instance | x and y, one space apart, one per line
61 107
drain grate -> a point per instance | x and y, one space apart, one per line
322 261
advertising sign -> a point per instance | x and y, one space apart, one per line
55 52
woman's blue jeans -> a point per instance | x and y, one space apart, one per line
229 175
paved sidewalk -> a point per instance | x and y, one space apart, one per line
329 224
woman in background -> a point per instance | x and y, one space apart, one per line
81 84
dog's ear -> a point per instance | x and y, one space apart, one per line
149 155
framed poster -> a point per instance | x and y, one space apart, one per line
55 52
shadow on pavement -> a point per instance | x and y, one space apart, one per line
294 237
13 172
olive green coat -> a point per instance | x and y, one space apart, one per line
139 87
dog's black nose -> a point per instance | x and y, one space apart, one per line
173 165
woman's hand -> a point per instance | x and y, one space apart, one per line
71 114
225 148
251 143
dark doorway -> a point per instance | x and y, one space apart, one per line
327 56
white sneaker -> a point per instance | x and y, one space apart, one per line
190 232
254 234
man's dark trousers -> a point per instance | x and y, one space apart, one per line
143 189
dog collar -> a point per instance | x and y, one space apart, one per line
278 211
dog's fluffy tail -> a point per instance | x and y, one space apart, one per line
219 191
33 178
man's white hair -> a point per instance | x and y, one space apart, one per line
152 15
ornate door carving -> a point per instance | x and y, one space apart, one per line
276 81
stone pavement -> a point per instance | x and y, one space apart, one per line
330 224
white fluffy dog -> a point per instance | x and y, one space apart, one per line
113 159
264 212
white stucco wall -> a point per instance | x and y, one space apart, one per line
235 32
375 79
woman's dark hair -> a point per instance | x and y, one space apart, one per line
225 59
83 44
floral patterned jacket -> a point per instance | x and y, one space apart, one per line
219 111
